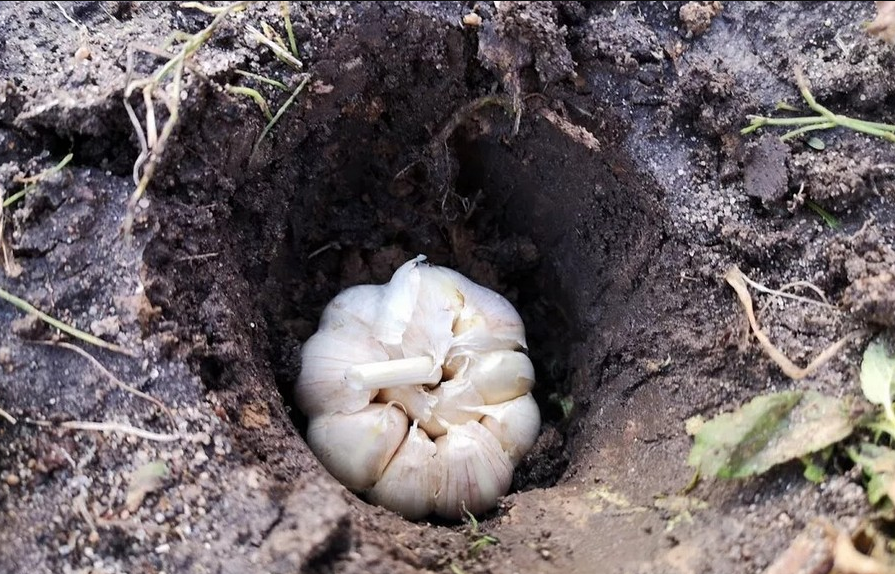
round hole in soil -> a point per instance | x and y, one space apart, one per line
507 211
344 193
557 229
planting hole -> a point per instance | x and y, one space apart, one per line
358 181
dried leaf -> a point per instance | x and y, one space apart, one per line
884 24
767 431
849 560
810 553
144 480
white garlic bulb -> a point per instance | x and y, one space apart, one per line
418 392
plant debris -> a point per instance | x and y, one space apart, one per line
767 431
883 26
878 376
878 464
824 120
145 480
736 279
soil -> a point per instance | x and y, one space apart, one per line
581 158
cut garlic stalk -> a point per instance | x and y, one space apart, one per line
372 385
355 448
395 373
474 471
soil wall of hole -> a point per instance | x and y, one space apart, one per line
356 183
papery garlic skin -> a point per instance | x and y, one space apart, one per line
515 424
474 471
355 448
325 358
501 375
418 392
407 483
451 401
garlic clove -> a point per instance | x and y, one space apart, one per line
487 320
473 471
409 481
397 304
501 376
415 401
353 305
516 425
356 448
325 357
452 400
430 331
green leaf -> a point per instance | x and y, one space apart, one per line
767 431
878 463
813 472
828 217
878 374
816 143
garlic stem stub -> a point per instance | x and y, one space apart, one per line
419 392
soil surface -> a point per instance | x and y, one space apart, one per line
582 158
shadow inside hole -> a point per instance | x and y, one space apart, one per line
561 232
477 243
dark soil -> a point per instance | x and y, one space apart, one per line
583 159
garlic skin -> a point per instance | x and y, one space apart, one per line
407 481
325 358
515 424
419 392
355 448
501 376
473 469
452 398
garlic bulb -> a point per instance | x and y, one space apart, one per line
419 392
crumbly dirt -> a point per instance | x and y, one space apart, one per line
583 159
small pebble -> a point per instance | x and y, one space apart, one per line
472 19
13 479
